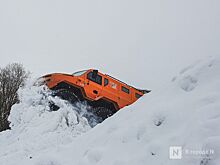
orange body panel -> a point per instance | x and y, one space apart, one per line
110 89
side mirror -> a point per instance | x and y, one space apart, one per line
94 74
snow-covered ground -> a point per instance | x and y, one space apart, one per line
185 113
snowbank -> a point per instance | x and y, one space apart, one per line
184 113
35 128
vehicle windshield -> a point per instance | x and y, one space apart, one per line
79 73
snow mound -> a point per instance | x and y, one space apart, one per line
184 113
34 127
33 113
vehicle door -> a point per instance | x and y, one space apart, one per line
110 89
93 85
125 95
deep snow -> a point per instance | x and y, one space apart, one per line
185 112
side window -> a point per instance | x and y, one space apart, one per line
97 80
126 90
137 95
105 82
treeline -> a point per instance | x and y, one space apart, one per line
12 77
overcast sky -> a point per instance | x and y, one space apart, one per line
143 42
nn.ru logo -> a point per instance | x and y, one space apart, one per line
175 152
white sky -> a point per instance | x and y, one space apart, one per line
142 42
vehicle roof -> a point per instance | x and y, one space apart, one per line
117 80
112 78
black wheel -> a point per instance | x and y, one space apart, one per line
103 108
96 110
102 112
66 95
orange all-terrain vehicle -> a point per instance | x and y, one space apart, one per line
102 92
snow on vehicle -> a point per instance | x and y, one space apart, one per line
105 94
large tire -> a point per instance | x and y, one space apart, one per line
100 109
102 112
66 95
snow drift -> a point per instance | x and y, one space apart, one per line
183 113
34 127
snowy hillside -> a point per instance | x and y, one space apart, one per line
36 128
185 112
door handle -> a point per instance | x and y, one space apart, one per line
95 92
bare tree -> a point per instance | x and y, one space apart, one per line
12 77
